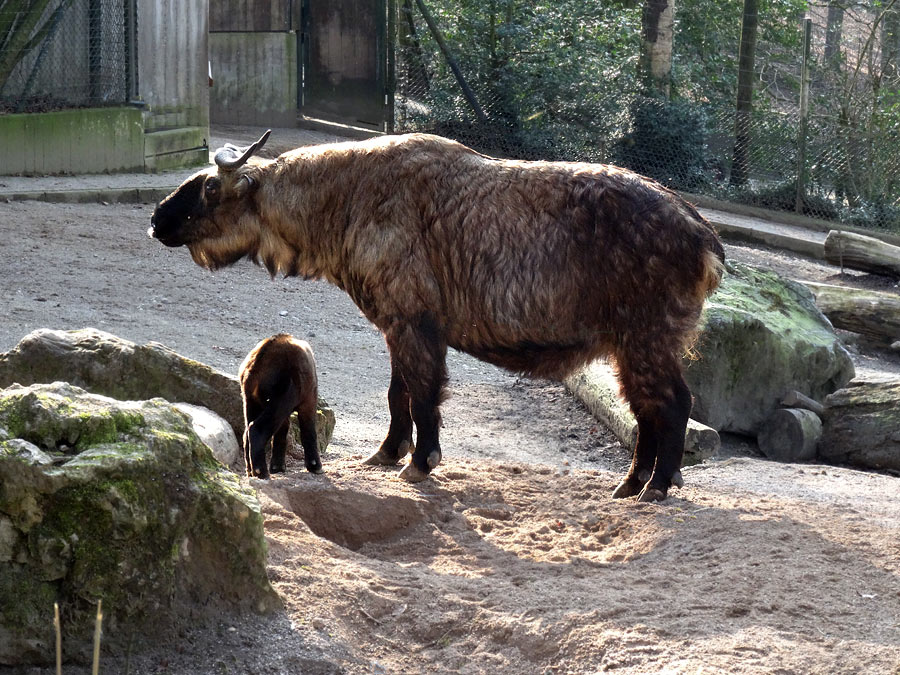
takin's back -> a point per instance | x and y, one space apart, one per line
519 259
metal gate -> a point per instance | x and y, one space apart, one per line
345 62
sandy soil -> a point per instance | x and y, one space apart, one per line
512 559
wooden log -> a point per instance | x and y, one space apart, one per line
862 425
597 387
795 399
871 313
860 252
790 435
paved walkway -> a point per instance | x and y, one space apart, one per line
151 187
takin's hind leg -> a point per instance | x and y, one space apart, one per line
399 440
661 403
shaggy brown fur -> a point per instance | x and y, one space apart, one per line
538 267
278 377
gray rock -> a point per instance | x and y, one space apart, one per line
132 509
861 425
762 337
216 433
105 364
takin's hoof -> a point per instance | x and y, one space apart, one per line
627 488
434 458
276 468
413 474
384 458
315 468
678 479
650 494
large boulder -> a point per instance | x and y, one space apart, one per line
762 337
105 364
119 501
861 425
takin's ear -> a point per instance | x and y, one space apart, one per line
246 184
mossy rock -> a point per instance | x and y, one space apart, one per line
105 364
762 337
119 501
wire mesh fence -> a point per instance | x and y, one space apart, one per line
60 54
559 80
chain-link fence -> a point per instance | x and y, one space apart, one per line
64 54
559 80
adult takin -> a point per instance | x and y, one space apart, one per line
538 267
278 378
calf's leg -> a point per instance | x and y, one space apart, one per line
275 415
306 420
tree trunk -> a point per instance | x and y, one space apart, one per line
867 312
833 33
657 31
860 252
597 387
890 45
740 163
790 435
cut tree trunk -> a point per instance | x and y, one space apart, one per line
597 387
860 252
790 435
871 313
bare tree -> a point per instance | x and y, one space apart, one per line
740 163
657 32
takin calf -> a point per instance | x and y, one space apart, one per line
537 267
277 378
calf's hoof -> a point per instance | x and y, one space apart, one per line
276 468
315 467
384 458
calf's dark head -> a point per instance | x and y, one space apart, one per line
206 212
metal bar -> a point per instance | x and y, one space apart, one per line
457 73
804 118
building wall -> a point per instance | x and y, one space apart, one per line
254 78
253 52
173 81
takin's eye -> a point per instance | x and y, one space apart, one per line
212 188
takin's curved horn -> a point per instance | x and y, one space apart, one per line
231 157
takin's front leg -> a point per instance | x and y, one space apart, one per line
419 353
399 440
661 404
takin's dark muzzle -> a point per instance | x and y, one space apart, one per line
171 220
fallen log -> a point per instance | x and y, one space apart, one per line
795 399
596 386
871 313
860 252
861 425
790 435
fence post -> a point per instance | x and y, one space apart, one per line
804 117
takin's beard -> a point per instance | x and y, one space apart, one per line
217 252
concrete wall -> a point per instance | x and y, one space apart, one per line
173 81
85 140
255 78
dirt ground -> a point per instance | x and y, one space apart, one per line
512 558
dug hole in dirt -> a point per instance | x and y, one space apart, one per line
512 558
